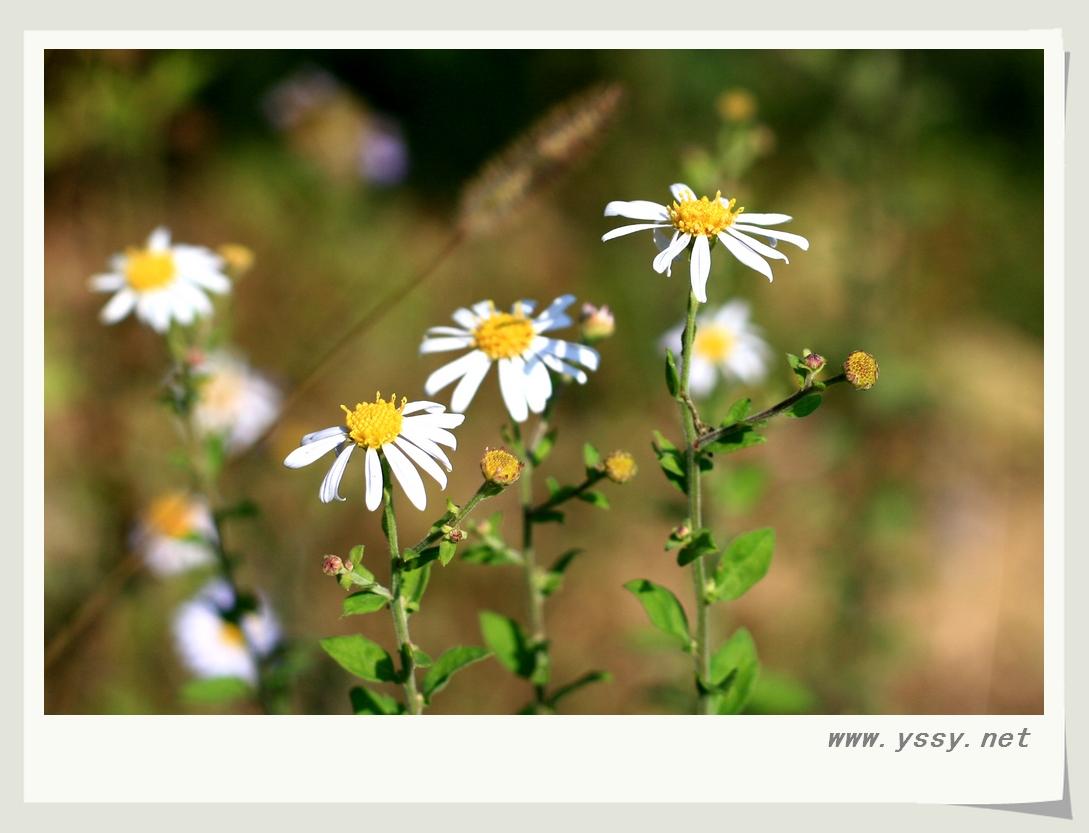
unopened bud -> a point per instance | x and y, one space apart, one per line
861 370
455 535
239 258
814 361
736 105
500 467
596 323
619 466
332 565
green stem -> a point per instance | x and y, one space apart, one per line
699 568
413 700
486 491
534 596
563 498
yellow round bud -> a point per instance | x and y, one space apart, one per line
861 370
500 467
619 467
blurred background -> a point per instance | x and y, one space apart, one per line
908 571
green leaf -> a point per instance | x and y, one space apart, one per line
365 701
355 555
414 583
357 654
673 379
216 690
596 498
548 516
449 664
804 406
551 581
447 548
364 602
415 561
543 449
507 639
779 694
671 460
564 561
244 509
702 543
554 487
799 368
584 680
744 563
738 411
484 552
665 612
734 667
743 437
420 657
591 457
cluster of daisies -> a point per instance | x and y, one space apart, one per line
167 283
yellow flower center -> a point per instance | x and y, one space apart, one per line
171 515
503 335
231 635
703 217
374 424
146 270
861 370
716 344
620 467
499 466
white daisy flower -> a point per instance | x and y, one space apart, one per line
701 222
235 402
212 645
177 533
163 283
403 439
725 343
514 340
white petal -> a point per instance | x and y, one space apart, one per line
422 405
681 192
563 367
757 246
447 331
422 459
406 475
746 255
764 219
470 382
454 370
336 430
212 281
465 318
304 455
554 317
526 305
436 420
436 435
701 268
665 257
108 282
118 306
159 239
775 234
734 315
331 484
580 353
374 479
180 308
439 345
701 376
428 446
537 384
620 232
153 308
510 385
637 210
483 309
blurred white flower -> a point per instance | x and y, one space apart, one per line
163 283
236 402
175 534
725 343
701 222
403 440
212 645
514 340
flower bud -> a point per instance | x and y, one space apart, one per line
814 361
239 258
861 370
736 105
500 466
596 323
455 535
619 466
332 565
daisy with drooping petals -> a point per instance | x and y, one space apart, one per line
177 533
701 222
726 343
212 644
236 403
514 340
163 283
403 440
